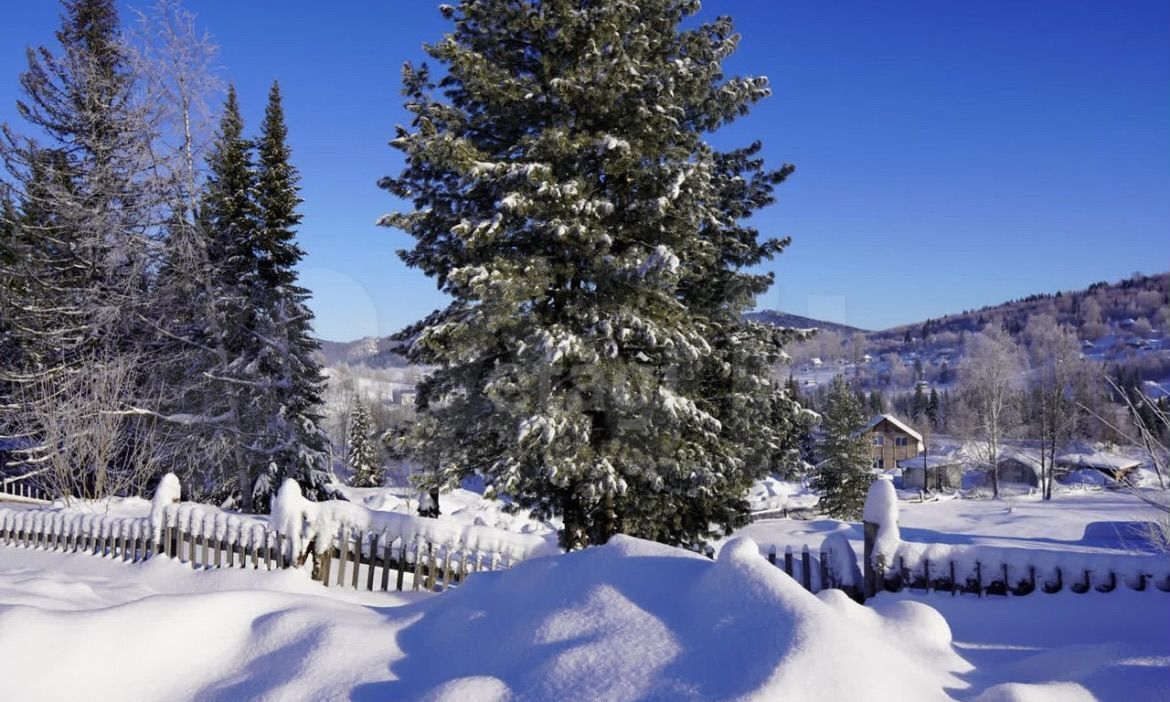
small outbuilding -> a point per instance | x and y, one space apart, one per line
1020 467
931 473
1112 465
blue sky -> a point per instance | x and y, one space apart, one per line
949 154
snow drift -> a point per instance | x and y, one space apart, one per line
635 620
629 621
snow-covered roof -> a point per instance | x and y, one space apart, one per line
930 461
895 421
1028 458
1099 460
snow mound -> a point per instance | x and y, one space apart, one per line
637 620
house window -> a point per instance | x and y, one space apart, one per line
879 439
901 441
879 463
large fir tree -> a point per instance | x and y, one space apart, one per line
593 363
229 215
295 444
843 475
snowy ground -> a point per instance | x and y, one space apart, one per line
630 621
1076 520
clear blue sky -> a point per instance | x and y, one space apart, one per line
949 154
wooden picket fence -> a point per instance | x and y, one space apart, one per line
359 559
21 488
991 570
1000 578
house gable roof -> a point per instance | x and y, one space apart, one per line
893 420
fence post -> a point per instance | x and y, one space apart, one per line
373 560
417 563
432 567
401 562
281 562
788 560
326 561
463 567
358 538
387 552
806 569
772 554
825 584
446 567
869 573
342 542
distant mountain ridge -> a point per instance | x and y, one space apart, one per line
1141 301
373 352
787 319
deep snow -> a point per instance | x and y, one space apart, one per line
632 620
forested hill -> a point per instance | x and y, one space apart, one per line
1140 303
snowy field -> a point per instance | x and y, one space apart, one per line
1076 520
629 621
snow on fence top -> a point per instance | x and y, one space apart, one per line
305 522
985 563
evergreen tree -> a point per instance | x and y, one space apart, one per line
230 217
877 403
918 405
361 452
593 362
843 476
294 441
933 410
73 286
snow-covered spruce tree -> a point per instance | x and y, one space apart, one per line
843 475
87 195
361 452
229 215
295 444
594 363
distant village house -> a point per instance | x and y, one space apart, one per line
891 440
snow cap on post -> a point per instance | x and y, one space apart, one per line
168 492
881 503
881 508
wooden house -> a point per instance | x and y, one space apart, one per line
891 440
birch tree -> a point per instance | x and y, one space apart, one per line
993 371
